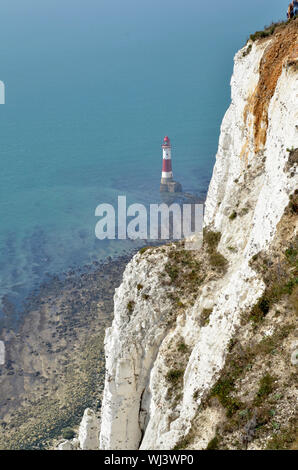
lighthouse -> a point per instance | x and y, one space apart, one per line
166 174
167 184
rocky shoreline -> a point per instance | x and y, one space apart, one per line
54 365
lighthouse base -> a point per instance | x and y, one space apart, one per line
170 187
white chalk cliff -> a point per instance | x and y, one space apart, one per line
246 199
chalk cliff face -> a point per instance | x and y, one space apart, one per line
163 355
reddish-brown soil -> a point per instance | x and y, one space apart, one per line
281 50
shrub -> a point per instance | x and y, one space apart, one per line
211 239
247 50
293 158
130 306
145 248
183 443
266 387
233 215
174 375
182 347
222 390
260 310
68 433
183 270
293 203
204 318
139 286
213 444
267 31
260 34
244 211
271 296
172 271
217 260
231 344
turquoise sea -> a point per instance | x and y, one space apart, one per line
92 87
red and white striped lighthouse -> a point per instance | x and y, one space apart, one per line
166 174
167 183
